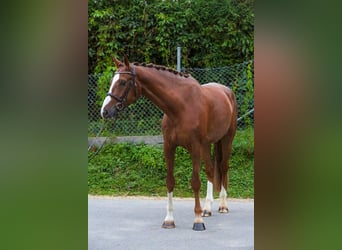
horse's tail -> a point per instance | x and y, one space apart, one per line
218 150
217 166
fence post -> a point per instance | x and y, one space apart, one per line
179 58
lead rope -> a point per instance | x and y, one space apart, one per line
96 138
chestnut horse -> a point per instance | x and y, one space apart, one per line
195 116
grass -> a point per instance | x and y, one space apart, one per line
127 169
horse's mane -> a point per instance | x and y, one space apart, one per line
160 67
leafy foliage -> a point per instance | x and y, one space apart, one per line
211 33
126 169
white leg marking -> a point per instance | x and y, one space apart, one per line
169 208
209 198
198 218
223 196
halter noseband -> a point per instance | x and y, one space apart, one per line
122 100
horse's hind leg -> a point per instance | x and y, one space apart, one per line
205 153
209 199
226 148
169 154
196 185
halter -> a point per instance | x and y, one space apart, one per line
122 100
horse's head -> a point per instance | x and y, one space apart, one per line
123 89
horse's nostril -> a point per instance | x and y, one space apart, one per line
105 113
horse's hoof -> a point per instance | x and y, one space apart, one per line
198 227
168 224
223 210
206 213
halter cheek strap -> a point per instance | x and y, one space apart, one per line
122 100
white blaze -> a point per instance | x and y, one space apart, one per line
115 79
108 98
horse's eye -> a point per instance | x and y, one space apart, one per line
122 83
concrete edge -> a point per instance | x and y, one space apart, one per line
109 197
99 141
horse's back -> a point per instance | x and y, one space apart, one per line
216 92
218 87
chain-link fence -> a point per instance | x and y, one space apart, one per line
144 118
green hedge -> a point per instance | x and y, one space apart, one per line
211 33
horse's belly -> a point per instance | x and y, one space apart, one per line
216 130
183 133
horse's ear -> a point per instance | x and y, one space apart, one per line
117 62
126 61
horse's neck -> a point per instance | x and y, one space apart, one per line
160 89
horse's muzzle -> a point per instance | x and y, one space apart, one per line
111 113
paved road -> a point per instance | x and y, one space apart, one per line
135 223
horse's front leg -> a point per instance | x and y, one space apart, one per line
169 154
196 186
